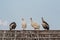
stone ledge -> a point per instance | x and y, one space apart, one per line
30 35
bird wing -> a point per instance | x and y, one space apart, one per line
34 24
45 22
24 24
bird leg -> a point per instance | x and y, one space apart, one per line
23 28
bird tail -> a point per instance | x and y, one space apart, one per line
10 29
48 29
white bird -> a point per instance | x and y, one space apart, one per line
24 25
45 24
34 24
12 25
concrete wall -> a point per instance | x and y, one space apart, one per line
30 35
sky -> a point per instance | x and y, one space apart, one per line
14 10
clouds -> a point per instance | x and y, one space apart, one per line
3 23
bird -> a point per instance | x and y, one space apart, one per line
12 25
34 24
45 24
24 24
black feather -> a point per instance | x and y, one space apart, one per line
13 26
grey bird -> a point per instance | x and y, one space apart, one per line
45 24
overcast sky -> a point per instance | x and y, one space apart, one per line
14 10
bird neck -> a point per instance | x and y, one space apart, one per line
31 20
42 19
22 20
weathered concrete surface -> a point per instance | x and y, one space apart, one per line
30 35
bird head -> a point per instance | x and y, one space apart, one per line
31 18
22 18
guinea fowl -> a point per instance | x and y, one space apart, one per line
12 25
34 24
24 25
45 24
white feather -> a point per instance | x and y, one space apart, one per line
24 24
34 24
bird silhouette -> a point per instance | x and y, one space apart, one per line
12 25
45 24
34 24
